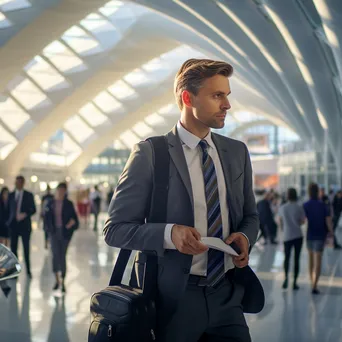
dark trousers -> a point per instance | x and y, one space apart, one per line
263 232
297 244
96 216
335 222
25 238
207 314
268 231
59 246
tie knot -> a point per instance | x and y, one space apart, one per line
204 145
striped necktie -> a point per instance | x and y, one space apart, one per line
215 270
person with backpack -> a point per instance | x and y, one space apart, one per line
202 292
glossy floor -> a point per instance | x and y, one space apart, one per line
33 314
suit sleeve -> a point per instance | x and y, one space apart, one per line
74 216
250 222
31 209
126 226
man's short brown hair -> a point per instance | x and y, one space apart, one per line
313 191
194 71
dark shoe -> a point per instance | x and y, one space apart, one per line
285 284
337 247
296 287
63 288
29 275
315 292
56 287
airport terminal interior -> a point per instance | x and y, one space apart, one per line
83 81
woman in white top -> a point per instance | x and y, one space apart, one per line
292 216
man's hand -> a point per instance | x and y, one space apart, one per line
187 240
70 224
242 242
22 216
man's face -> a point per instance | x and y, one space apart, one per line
211 103
19 183
60 192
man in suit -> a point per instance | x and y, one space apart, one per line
22 207
201 293
268 225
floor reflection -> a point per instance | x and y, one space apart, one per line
58 329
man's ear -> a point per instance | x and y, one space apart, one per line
186 97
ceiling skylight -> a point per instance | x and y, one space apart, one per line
136 78
13 115
142 130
62 57
4 22
107 102
121 90
78 129
28 94
80 41
92 115
12 5
45 75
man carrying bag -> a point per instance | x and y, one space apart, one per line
201 293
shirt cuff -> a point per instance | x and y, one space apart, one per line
246 238
168 244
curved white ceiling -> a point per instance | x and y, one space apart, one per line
287 58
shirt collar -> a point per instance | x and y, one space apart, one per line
190 139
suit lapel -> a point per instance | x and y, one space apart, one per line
178 158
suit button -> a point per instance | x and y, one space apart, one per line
186 270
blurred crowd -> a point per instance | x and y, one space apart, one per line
59 219
282 216
319 214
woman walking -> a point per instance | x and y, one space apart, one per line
292 216
62 221
4 216
319 224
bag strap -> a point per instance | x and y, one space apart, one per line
157 214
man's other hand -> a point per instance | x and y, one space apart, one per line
187 240
242 242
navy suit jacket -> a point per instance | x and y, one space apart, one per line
27 206
68 213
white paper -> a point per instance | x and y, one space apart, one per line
218 244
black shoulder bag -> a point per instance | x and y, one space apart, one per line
123 313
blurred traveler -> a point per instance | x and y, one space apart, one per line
110 195
4 216
96 200
292 216
45 199
266 217
22 208
319 224
337 209
62 221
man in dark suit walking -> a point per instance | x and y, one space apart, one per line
202 293
22 207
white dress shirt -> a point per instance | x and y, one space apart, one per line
193 155
18 199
